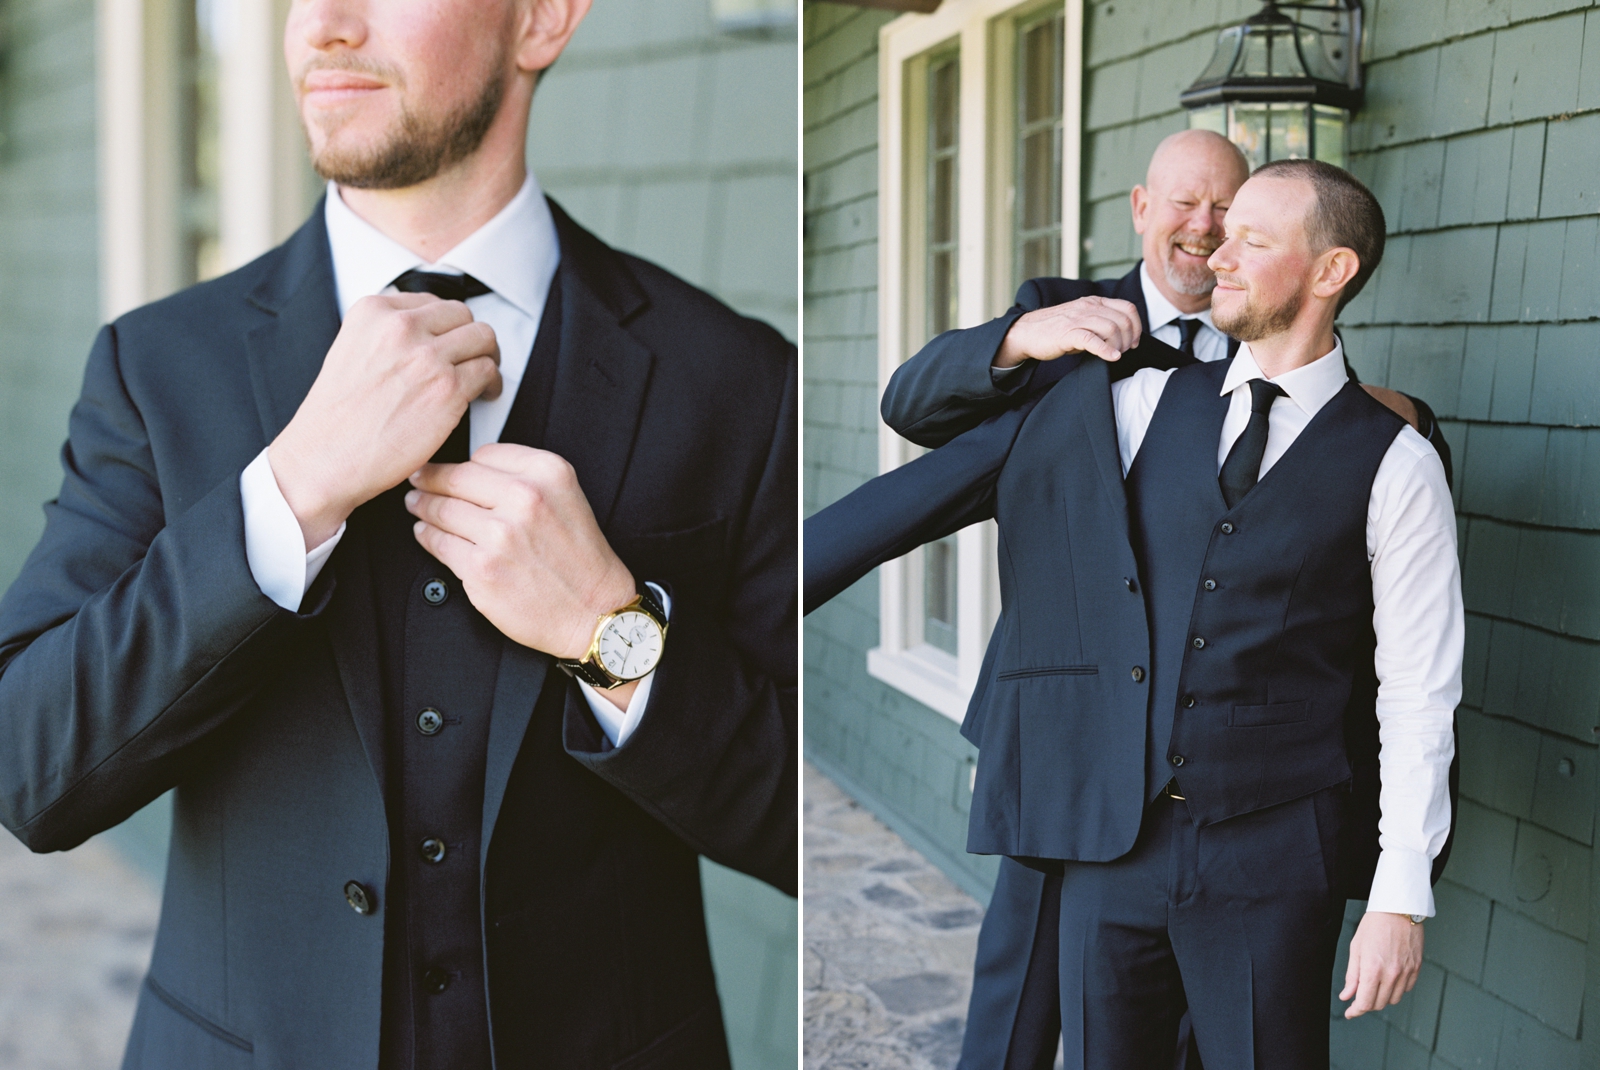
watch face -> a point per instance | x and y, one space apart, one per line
630 645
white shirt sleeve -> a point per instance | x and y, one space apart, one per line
274 546
1419 621
617 724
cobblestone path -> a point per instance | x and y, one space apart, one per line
75 934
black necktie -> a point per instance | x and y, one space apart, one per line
1243 466
458 447
1190 328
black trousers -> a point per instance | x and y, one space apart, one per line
1214 943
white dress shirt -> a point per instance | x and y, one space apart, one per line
515 254
1209 343
1417 614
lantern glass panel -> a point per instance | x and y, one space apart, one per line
1247 128
1317 63
1222 59
1288 132
1329 134
1213 118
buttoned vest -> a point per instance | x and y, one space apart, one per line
1260 616
438 659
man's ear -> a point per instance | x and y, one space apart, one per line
1335 268
1140 199
543 29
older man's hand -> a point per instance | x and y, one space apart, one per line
514 526
1105 326
1385 955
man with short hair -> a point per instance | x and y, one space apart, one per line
1219 697
430 561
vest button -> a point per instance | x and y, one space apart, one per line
435 980
1188 702
429 722
1211 585
1138 674
433 850
434 592
1132 586
1227 527
361 901
1199 643
1176 759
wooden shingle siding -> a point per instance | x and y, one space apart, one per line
49 297
1481 138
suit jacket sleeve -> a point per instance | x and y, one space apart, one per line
716 755
946 388
926 499
129 636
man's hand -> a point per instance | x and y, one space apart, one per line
514 526
1395 402
1385 955
1103 326
396 381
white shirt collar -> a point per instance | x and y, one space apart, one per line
1159 309
514 254
1309 386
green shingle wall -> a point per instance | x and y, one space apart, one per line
1481 137
49 296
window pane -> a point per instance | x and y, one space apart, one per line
943 230
1036 228
939 594
202 257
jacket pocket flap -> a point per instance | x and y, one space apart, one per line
1051 670
1272 713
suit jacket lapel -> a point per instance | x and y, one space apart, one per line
285 354
1100 424
601 377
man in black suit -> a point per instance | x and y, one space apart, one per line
447 737
1207 810
1158 315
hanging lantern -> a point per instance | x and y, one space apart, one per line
1283 86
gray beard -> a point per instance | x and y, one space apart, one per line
1199 284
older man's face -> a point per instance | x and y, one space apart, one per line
392 91
1179 211
1264 267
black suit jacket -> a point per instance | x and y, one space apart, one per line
946 388
137 654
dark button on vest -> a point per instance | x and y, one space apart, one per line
438 659
1266 666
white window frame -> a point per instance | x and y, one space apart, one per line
262 183
925 673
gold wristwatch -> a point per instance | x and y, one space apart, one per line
626 646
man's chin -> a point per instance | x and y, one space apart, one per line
1192 282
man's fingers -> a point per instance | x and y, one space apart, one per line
1088 342
471 482
469 340
452 515
451 550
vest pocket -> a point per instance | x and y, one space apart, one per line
1050 670
1272 713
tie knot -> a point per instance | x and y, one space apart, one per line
1263 394
449 287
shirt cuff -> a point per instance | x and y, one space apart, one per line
274 546
617 724
1403 883
1004 377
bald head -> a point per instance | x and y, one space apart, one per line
1191 152
1178 212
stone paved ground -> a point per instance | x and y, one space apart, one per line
889 944
75 934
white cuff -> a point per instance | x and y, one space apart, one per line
1402 883
274 546
617 724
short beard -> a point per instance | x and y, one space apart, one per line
1252 323
420 149
1197 283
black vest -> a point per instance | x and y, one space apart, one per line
1260 616
438 659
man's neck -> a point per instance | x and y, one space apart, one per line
435 216
1295 348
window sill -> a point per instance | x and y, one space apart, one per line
924 673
